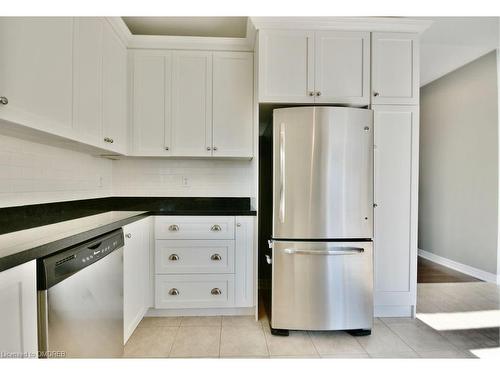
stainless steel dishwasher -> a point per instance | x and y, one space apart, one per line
80 300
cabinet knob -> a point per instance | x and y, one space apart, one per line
216 257
209 148
109 140
318 93
173 257
216 292
238 224
375 205
173 228
215 148
216 228
311 93
167 148
128 235
173 292
4 100
376 94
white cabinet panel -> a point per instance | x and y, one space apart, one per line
194 227
152 103
114 91
342 67
36 72
233 104
194 291
192 103
18 312
286 60
395 194
395 67
87 89
245 281
136 274
194 256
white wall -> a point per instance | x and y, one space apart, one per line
164 177
35 173
458 214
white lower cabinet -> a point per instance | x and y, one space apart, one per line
395 214
18 312
204 262
136 274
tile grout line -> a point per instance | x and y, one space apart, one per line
402 339
314 345
265 338
173 341
220 334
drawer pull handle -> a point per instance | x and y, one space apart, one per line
173 257
173 292
173 228
216 228
216 292
216 257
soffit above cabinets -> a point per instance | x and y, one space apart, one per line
219 27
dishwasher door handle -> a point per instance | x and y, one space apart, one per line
344 250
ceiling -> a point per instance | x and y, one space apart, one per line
228 27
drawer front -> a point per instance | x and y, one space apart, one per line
194 256
194 227
194 291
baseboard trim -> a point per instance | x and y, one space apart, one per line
201 312
389 311
468 270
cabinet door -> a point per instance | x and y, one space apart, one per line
395 78
152 103
192 103
114 91
36 72
342 67
245 271
136 275
395 195
233 104
18 312
286 66
87 68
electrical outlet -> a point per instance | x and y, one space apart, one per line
185 181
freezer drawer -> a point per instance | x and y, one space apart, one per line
322 285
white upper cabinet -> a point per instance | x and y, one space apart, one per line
152 87
314 67
87 88
286 60
395 78
114 92
342 67
233 104
192 103
36 72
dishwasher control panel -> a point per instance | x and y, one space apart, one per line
55 268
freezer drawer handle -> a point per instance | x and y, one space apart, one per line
331 251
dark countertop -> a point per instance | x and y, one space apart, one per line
35 231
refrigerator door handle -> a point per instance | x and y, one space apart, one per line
331 251
282 172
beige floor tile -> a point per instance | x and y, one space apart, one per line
201 321
469 339
383 339
170 321
308 356
421 338
346 356
243 341
240 321
451 353
199 342
394 355
297 344
335 342
147 342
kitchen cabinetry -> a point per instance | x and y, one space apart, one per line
314 67
136 274
395 214
18 312
204 262
36 72
192 103
395 68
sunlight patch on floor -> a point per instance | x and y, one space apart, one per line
461 320
488 353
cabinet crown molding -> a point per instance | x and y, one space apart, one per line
382 24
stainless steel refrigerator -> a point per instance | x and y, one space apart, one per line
322 261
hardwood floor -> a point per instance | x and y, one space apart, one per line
430 272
